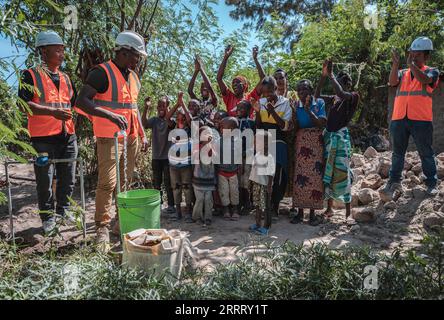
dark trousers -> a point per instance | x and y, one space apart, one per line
422 133
279 187
65 175
161 174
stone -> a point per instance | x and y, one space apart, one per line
366 196
417 169
419 193
373 181
338 205
365 215
370 153
434 219
407 164
357 160
357 179
383 168
408 174
440 156
413 182
357 172
437 206
355 228
391 205
440 168
355 201
380 142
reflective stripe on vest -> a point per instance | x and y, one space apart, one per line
120 98
413 99
47 94
115 105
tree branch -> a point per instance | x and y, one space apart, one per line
131 25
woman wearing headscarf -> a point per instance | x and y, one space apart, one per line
338 176
309 123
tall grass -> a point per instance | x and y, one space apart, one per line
286 271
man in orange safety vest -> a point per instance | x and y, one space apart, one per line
109 97
413 115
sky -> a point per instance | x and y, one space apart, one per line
222 11
229 24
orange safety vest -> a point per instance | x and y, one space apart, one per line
120 98
413 99
48 95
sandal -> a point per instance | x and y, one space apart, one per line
262 231
235 217
253 227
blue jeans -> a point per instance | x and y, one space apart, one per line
57 148
422 133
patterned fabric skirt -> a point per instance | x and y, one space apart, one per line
308 188
338 177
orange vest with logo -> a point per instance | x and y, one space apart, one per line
413 99
48 95
120 98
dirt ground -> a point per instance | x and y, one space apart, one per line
400 225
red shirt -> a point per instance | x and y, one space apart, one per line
231 101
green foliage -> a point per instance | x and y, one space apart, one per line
344 37
175 31
286 271
290 14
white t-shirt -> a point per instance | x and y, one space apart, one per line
262 168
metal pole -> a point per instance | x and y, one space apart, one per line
11 218
10 211
82 196
116 145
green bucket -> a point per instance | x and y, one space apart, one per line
138 209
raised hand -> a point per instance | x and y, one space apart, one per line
198 60
196 64
410 59
255 52
229 51
395 57
148 102
180 98
327 68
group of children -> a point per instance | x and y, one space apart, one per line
227 187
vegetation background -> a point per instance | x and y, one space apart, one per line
294 35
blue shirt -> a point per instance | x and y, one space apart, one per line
317 107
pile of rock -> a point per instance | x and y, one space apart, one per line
371 172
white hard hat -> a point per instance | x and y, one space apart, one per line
131 40
48 38
422 44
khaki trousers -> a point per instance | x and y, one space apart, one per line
228 190
107 181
